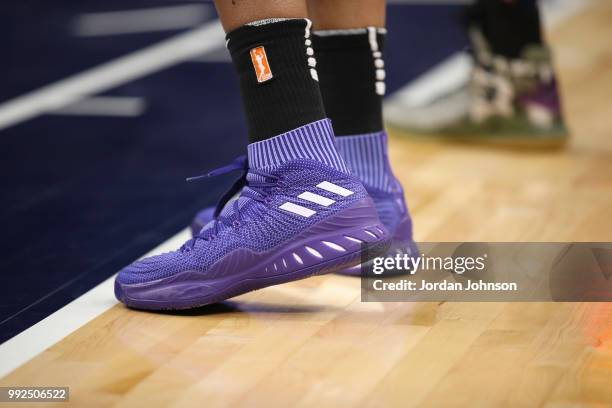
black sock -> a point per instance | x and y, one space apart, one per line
351 77
507 25
284 94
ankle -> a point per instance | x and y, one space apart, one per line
367 158
278 79
314 141
352 77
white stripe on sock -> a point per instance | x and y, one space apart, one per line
308 27
372 38
379 63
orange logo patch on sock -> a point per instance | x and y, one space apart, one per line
261 65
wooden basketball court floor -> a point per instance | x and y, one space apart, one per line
313 343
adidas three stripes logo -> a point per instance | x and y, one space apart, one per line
316 199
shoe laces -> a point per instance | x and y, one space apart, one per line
259 189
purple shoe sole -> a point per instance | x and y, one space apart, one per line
401 240
333 244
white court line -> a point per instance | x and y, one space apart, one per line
141 20
37 338
181 48
124 106
220 55
554 12
178 49
450 74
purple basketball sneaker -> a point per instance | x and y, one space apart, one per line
300 213
366 155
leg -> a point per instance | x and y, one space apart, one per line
267 42
300 211
508 26
334 14
349 38
349 43
236 13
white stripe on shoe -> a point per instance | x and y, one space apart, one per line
332 188
297 209
317 199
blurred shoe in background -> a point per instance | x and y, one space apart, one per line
511 97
